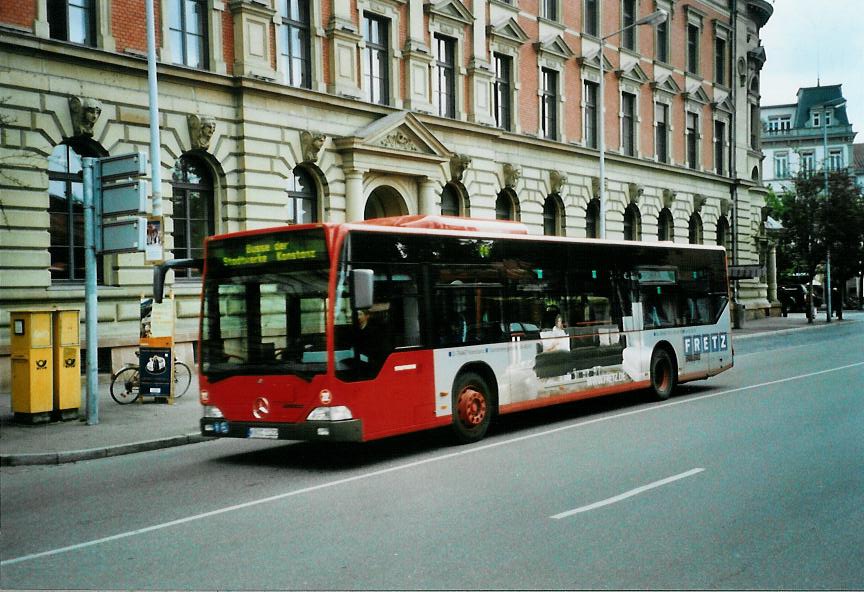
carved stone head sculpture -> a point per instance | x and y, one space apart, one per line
557 181
85 111
201 130
458 165
311 143
512 174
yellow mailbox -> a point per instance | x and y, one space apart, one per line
67 363
32 361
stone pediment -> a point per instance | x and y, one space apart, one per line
592 60
633 73
667 85
453 10
724 105
696 93
555 46
392 142
508 32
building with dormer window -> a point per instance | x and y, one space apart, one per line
806 136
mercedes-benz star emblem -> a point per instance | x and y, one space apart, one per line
261 407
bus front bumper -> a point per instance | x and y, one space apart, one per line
349 430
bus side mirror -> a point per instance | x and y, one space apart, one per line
362 286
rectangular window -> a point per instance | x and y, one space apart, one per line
550 104
550 9
827 118
590 91
692 49
692 140
503 92
781 165
445 69
720 61
628 124
591 26
72 20
295 63
719 146
808 162
816 119
779 124
662 49
628 20
661 130
188 27
835 159
376 59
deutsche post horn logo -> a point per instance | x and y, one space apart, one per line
41 364
260 408
69 362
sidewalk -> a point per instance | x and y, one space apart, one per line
124 429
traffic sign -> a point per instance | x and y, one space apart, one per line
125 165
125 198
126 235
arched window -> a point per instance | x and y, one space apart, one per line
695 229
553 216
454 202
507 205
192 196
66 214
723 235
665 226
592 219
302 197
632 223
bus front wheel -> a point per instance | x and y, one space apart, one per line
472 407
663 373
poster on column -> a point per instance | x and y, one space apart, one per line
153 248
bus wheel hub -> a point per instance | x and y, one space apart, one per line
471 406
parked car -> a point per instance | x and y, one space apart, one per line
794 298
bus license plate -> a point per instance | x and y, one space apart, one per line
272 433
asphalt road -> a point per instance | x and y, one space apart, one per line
754 479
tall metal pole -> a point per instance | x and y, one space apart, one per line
656 17
91 314
827 238
601 130
155 159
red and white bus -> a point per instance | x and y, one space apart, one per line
353 332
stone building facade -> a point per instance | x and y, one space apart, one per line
283 111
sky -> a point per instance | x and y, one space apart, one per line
810 40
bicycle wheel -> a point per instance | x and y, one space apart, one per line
182 378
125 386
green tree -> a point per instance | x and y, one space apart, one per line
843 227
802 217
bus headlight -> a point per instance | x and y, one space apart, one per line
212 411
337 413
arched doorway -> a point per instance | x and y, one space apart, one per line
383 202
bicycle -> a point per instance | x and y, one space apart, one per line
126 382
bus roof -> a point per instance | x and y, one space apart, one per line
430 221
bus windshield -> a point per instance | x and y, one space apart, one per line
264 306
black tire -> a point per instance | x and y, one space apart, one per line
472 407
664 373
125 385
182 378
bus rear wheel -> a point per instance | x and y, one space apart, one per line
663 374
472 407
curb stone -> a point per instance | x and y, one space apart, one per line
57 458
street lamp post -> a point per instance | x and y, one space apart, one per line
655 18
835 104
